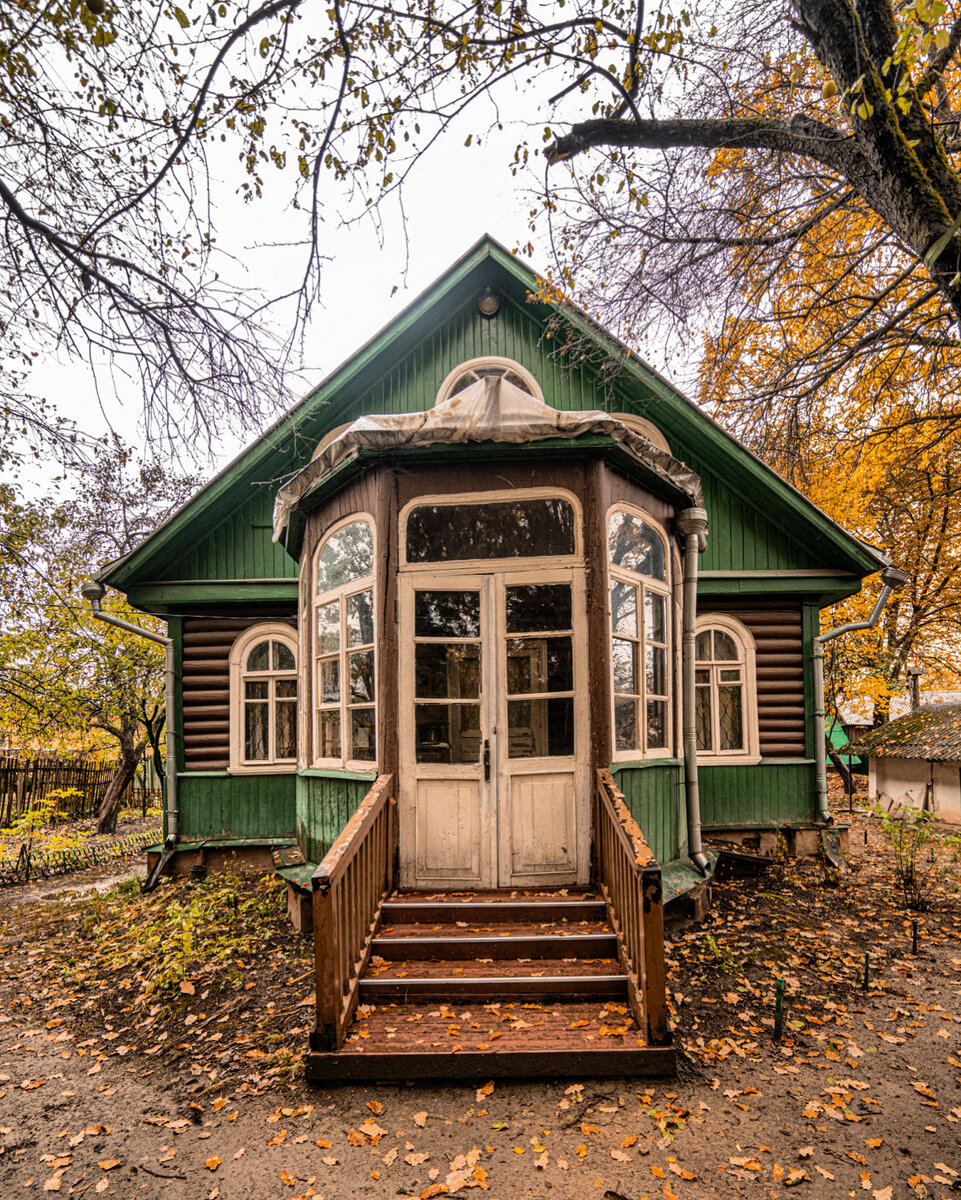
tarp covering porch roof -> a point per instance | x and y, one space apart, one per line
491 410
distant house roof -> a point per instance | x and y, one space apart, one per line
931 732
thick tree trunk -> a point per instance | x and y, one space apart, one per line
130 754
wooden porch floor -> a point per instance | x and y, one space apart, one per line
492 984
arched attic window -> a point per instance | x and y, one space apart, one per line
345 724
263 699
474 369
725 690
639 568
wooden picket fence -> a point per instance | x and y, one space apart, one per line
24 782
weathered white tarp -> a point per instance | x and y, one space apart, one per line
490 410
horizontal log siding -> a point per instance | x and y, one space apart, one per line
237 806
205 687
324 806
765 794
777 632
655 796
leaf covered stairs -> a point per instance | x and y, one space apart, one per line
497 984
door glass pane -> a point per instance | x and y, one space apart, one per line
655 621
328 628
625 724
729 718
656 724
330 735
255 731
447 733
257 659
702 715
656 671
447 670
512 529
283 656
360 619
635 545
348 555
286 718
624 608
362 735
540 728
625 667
539 665
447 614
329 680
360 666
536 607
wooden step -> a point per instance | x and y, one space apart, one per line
504 968
429 912
495 929
406 946
492 1041
458 989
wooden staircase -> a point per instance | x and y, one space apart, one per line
534 984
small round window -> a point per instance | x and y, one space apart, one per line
486 368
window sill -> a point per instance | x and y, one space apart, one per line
728 760
287 768
637 764
336 773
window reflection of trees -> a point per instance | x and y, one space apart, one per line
512 529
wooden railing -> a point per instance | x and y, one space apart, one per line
630 880
349 888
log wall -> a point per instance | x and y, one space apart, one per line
776 628
205 684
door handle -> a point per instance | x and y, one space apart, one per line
487 760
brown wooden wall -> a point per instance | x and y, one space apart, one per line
776 628
205 684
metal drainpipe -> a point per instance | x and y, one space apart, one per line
893 580
94 593
692 525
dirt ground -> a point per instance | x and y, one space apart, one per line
150 1047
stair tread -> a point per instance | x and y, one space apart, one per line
499 896
446 1029
500 929
501 968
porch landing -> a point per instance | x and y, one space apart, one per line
494 984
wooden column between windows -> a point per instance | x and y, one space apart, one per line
598 634
388 669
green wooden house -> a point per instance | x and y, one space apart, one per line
506 619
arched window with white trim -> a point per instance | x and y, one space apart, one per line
725 690
638 564
263 699
467 373
345 719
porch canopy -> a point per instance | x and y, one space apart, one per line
490 410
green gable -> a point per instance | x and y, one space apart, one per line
219 545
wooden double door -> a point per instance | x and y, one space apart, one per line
493 737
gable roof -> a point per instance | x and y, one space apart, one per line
287 445
930 732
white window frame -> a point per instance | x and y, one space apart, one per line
263 631
487 361
658 587
503 496
343 706
747 661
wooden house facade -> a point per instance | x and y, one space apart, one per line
466 643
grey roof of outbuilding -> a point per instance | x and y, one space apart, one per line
932 731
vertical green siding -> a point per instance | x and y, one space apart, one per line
655 796
768 793
324 806
241 547
236 806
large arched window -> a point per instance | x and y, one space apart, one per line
263 699
345 726
640 635
725 690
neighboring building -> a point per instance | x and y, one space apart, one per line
916 760
476 590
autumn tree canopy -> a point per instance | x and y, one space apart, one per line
120 125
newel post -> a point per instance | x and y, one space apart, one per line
655 983
325 1036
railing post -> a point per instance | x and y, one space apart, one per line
325 1036
655 984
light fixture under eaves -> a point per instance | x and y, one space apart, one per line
488 303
